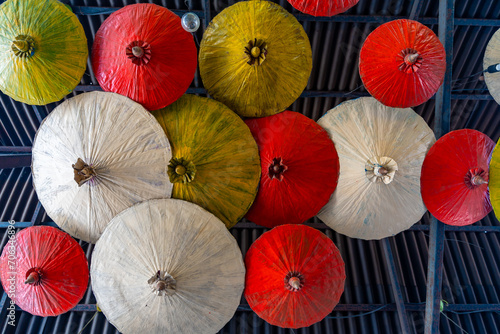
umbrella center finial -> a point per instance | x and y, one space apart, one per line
277 168
23 46
381 169
294 281
33 276
256 51
181 170
139 52
163 283
475 177
411 60
83 172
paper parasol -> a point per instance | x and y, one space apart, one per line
491 65
494 184
402 63
44 271
167 266
295 276
215 160
255 57
455 177
142 51
94 156
43 50
299 169
381 151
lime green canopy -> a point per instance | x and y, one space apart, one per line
215 160
43 50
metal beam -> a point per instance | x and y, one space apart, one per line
320 226
15 160
308 93
411 307
91 10
441 126
416 9
434 276
25 224
396 288
15 149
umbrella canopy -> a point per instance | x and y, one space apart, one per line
299 168
494 184
178 271
215 160
381 151
43 50
455 177
322 8
95 155
295 276
142 51
491 65
44 271
402 63
255 57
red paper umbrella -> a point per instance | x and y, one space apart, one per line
454 178
300 168
321 7
402 63
142 51
44 271
295 276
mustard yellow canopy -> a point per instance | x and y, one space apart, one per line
494 182
256 58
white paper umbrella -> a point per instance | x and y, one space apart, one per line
381 151
95 155
491 66
167 266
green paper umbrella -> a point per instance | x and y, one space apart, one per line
215 160
43 50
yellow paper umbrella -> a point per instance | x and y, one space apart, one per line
491 65
43 50
215 160
256 58
494 183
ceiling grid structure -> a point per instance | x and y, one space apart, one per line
387 280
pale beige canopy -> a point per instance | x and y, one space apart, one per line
167 266
120 155
492 57
381 151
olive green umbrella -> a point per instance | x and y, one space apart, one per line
215 160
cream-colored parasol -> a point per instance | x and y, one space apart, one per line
491 66
167 266
95 155
381 151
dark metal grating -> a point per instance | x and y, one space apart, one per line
471 266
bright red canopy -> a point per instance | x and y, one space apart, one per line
402 63
322 7
54 263
454 179
141 51
295 276
300 169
